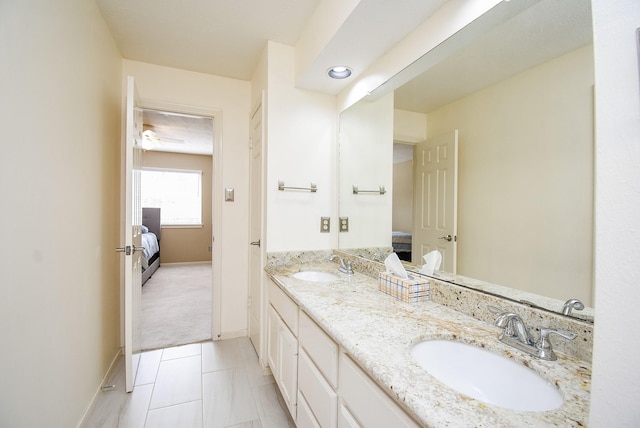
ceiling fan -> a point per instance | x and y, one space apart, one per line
151 140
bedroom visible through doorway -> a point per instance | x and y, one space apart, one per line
178 171
176 306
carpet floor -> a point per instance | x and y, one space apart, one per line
176 306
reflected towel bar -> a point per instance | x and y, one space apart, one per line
313 188
381 191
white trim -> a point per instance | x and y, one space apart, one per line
94 400
205 262
160 169
232 334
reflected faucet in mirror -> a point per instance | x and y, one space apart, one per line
571 304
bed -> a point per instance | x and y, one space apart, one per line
401 243
150 242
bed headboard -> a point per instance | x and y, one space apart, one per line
151 219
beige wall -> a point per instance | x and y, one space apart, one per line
60 83
408 128
181 245
402 218
525 198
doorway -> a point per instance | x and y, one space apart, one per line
178 304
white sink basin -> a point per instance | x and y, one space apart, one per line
315 276
486 376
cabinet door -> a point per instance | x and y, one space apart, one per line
288 366
272 340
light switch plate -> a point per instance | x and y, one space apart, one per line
229 194
325 224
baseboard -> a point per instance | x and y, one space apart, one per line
185 263
233 334
94 400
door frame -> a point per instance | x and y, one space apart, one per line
216 200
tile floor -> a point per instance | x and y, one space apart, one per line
202 385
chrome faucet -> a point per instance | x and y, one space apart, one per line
571 304
345 267
516 334
514 328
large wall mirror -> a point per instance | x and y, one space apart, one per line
518 97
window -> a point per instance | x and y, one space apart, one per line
177 192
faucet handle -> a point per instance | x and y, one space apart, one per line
545 351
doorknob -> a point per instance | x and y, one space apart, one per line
126 250
129 249
256 243
447 238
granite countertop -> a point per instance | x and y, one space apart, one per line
377 331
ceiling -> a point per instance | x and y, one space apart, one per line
227 37
177 133
220 37
546 30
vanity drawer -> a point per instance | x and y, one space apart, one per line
320 348
346 419
305 418
366 402
286 308
321 398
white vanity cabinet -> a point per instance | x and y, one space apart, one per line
321 385
282 350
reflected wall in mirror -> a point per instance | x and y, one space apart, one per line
521 97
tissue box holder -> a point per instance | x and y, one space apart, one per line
408 290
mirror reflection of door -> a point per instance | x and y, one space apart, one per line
435 200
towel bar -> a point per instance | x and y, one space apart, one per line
381 190
313 188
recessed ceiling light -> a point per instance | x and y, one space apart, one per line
339 72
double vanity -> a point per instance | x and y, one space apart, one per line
345 354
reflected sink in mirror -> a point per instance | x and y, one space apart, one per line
486 376
315 276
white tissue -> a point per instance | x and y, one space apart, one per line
394 266
432 263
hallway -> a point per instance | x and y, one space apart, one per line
208 384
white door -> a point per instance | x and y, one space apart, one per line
256 312
133 236
436 199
